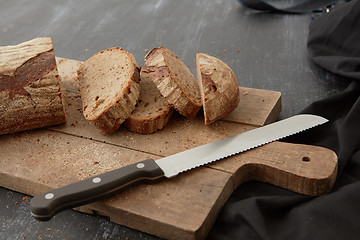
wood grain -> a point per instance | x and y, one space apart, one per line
183 207
301 168
257 107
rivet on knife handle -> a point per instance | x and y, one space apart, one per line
46 205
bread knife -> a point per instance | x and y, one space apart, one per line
44 206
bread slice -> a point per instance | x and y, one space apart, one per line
109 87
174 81
218 85
152 112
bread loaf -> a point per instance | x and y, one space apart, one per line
30 95
218 85
109 87
152 112
174 81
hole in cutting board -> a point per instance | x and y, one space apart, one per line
306 159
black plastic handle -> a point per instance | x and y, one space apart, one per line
44 206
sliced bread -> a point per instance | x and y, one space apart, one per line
109 87
174 81
218 85
152 112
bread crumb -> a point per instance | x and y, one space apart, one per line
25 198
145 50
246 93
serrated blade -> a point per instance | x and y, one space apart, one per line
183 161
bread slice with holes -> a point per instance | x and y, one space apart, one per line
152 112
218 85
174 81
109 87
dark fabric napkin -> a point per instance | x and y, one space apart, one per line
261 211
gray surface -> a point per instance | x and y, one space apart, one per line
266 51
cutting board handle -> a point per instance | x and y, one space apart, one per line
305 169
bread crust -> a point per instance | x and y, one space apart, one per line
147 126
113 114
218 85
30 94
176 84
152 112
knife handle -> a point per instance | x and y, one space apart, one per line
44 206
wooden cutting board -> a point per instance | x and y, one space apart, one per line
184 207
